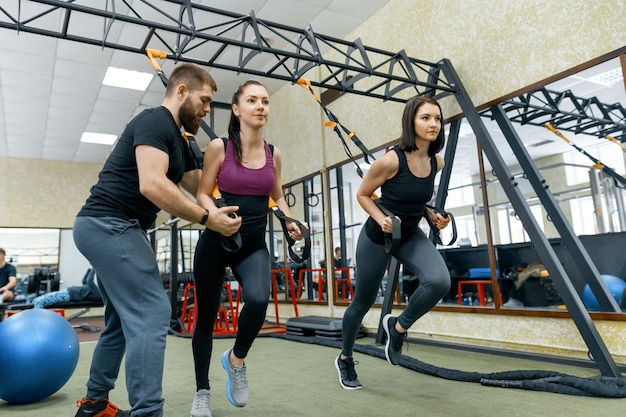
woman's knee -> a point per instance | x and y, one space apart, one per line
441 284
257 305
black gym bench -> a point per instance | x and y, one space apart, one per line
85 307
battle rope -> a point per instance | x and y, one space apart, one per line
533 380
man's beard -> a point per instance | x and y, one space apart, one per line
188 119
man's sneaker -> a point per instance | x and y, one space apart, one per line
237 384
347 375
395 339
201 404
101 408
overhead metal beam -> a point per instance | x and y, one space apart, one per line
233 42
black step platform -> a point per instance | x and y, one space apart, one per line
322 327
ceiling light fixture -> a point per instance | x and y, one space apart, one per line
123 78
99 138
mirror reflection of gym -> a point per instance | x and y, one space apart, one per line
592 201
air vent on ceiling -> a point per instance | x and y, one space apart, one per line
540 143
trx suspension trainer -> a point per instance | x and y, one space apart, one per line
233 243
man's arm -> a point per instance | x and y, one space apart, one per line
152 164
190 181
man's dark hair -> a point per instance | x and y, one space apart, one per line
190 74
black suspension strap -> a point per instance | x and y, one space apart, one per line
436 231
597 164
233 242
392 240
306 237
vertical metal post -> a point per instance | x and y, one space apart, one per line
576 308
596 194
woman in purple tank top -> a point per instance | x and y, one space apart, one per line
247 171
406 176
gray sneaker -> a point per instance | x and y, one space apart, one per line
347 375
395 339
201 404
237 384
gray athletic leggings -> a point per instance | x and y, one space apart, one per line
420 256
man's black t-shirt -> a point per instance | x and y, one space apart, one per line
116 193
7 271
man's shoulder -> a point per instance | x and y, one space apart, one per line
9 268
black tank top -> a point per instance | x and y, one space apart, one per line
405 195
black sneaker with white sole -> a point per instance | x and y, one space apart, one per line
395 339
347 375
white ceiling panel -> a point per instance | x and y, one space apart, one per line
357 8
53 88
25 62
330 20
300 13
41 82
67 132
28 109
79 52
71 101
75 87
28 43
69 113
79 71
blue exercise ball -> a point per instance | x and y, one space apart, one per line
38 354
615 285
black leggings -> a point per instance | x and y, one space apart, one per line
420 256
251 267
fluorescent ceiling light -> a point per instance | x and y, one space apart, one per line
99 138
123 78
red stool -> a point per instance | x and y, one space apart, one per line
345 282
320 281
480 285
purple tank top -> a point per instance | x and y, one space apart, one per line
235 178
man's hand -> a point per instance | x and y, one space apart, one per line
224 220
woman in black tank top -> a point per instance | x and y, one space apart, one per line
406 176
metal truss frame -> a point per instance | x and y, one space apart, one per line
567 112
364 71
175 28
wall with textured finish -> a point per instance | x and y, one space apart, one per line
37 193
